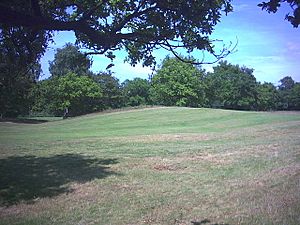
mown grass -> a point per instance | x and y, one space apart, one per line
153 166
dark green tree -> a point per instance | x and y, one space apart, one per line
18 72
69 59
178 83
112 93
232 87
286 83
267 97
76 93
136 92
295 97
139 27
285 91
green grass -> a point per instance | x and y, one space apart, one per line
163 165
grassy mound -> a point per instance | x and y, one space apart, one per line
163 165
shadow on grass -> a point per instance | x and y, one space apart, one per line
207 222
29 177
27 121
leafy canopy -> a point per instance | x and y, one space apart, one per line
69 59
267 97
136 92
139 27
111 88
18 73
77 93
178 83
289 93
286 83
232 87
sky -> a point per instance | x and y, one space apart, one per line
266 42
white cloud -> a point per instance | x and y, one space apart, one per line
263 59
121 69
126 71
240 7
270 68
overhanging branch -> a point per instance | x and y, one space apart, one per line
136 28
223 54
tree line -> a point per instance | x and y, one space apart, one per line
137 27
74 89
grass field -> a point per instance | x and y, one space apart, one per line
152 166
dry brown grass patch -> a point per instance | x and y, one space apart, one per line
164 138
183 162
273 194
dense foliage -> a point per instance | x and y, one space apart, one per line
18 73
76 94
112 92
267 97
138 27
69 59
175 83
289 94
75 90
178 83
136 92
232 87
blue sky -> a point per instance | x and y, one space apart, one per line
266 42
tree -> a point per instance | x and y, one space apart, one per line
286 83
15 89
295 97
285 90
20 51
76 93
232 87
18 73
273 6
69 59
267 97
139 27
112 92
136 92
178 83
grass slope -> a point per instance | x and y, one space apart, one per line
152 166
